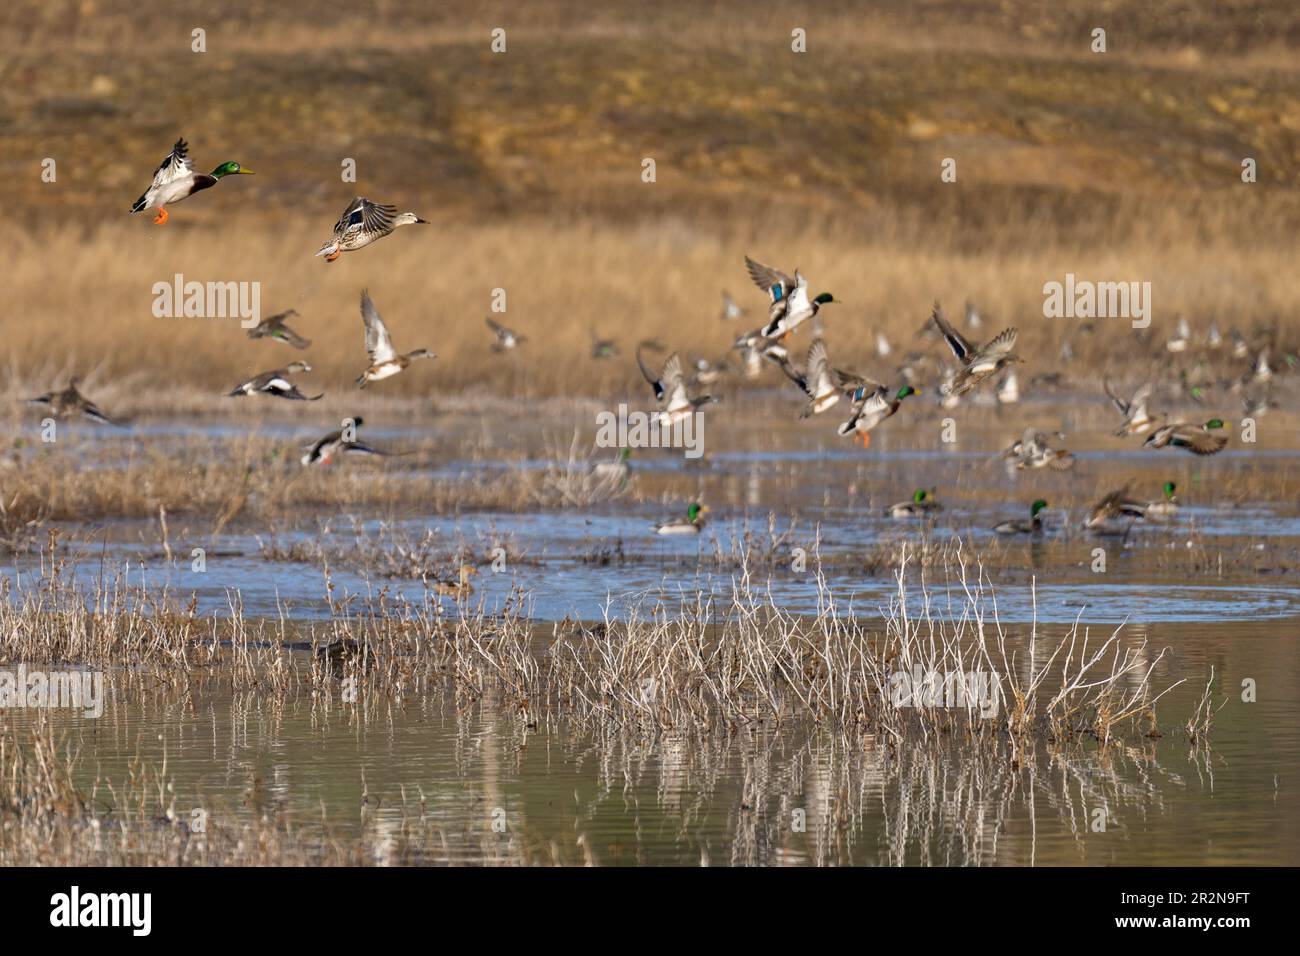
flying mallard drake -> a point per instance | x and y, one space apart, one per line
670 391
1137 420
977 363
1197 439
343 441
175 179
384 360
921 504
871 406
790 306
1020 526
506 339
274 328
275 382
71 402
1032 450
693 524
822 384
361 224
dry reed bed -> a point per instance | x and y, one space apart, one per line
707 663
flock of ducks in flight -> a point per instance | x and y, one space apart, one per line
790 306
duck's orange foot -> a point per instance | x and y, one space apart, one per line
334 255
161 218
786 338
864 438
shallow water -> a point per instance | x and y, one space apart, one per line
1216 585
418 780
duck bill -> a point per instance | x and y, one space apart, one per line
245 172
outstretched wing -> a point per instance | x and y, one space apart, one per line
649 375
364 215
772 281
673 383
782 358
960 347
176 165
378 343
500 330
1002 344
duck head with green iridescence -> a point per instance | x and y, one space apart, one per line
905 391
1214 423
1169 490
1036 507
230 169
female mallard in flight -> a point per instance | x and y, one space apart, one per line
977 363
822 384
1116 504
384 360
791 306
1020 526
361 224
692 525
1137 420
1032 451
274 328
871 406
275 382
1197 439
923 503
71 402
670 391
175 179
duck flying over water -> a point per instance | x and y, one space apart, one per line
362 223
670 390
175 179
275 382
1032 450
871 406
1114 505
384 360
1137 420
977 364
1197 439
823 385
274 328
325 450
70 402
790 306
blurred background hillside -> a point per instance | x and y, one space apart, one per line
1123 165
